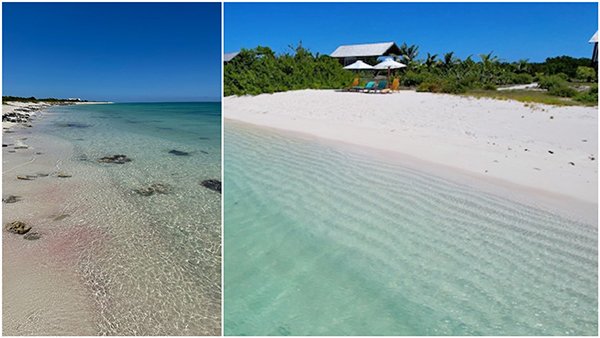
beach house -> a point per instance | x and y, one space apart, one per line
229 56
348 54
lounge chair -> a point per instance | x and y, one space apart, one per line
395 85
352 87
369 86
381 85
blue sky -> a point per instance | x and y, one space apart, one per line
112 51
512 31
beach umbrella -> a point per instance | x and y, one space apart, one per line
389 64
359 65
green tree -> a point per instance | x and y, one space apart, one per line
587 74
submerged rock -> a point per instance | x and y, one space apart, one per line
25 177
17 227
118 159
32 236
179 152
63 175
73 125
154 188
60 217
11 199
211 184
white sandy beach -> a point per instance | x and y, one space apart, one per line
546 149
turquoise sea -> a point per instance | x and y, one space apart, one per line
153 263
321 240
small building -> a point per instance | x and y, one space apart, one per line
594 40
348 54
229 56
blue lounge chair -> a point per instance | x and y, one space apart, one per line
380 86
369 86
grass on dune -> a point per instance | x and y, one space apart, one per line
527 96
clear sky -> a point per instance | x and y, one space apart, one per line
112 51
512 31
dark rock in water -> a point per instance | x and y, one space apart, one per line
118 159
60 217
17 227
211 184
63 175
12 151
38 153
204 152
284 331
43 174
32 236
179 152
73 125
4 145
26 177
11 199
154 188
203 138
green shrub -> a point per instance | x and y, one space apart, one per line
489 86
562 90
412 78
430 86
550 81
522 78
590 96
259 70
440 85
587 74
562 76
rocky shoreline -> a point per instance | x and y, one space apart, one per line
16 112
20 113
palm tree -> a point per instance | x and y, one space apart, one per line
521 66
431 60
489 59
449 60
408 53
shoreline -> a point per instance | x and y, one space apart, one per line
423 152
39 274
91 219
20 113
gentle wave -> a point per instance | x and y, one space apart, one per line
323 241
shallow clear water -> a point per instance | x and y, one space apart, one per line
325 241
151 264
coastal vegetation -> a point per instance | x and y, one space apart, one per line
36 100
260 70
562 80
